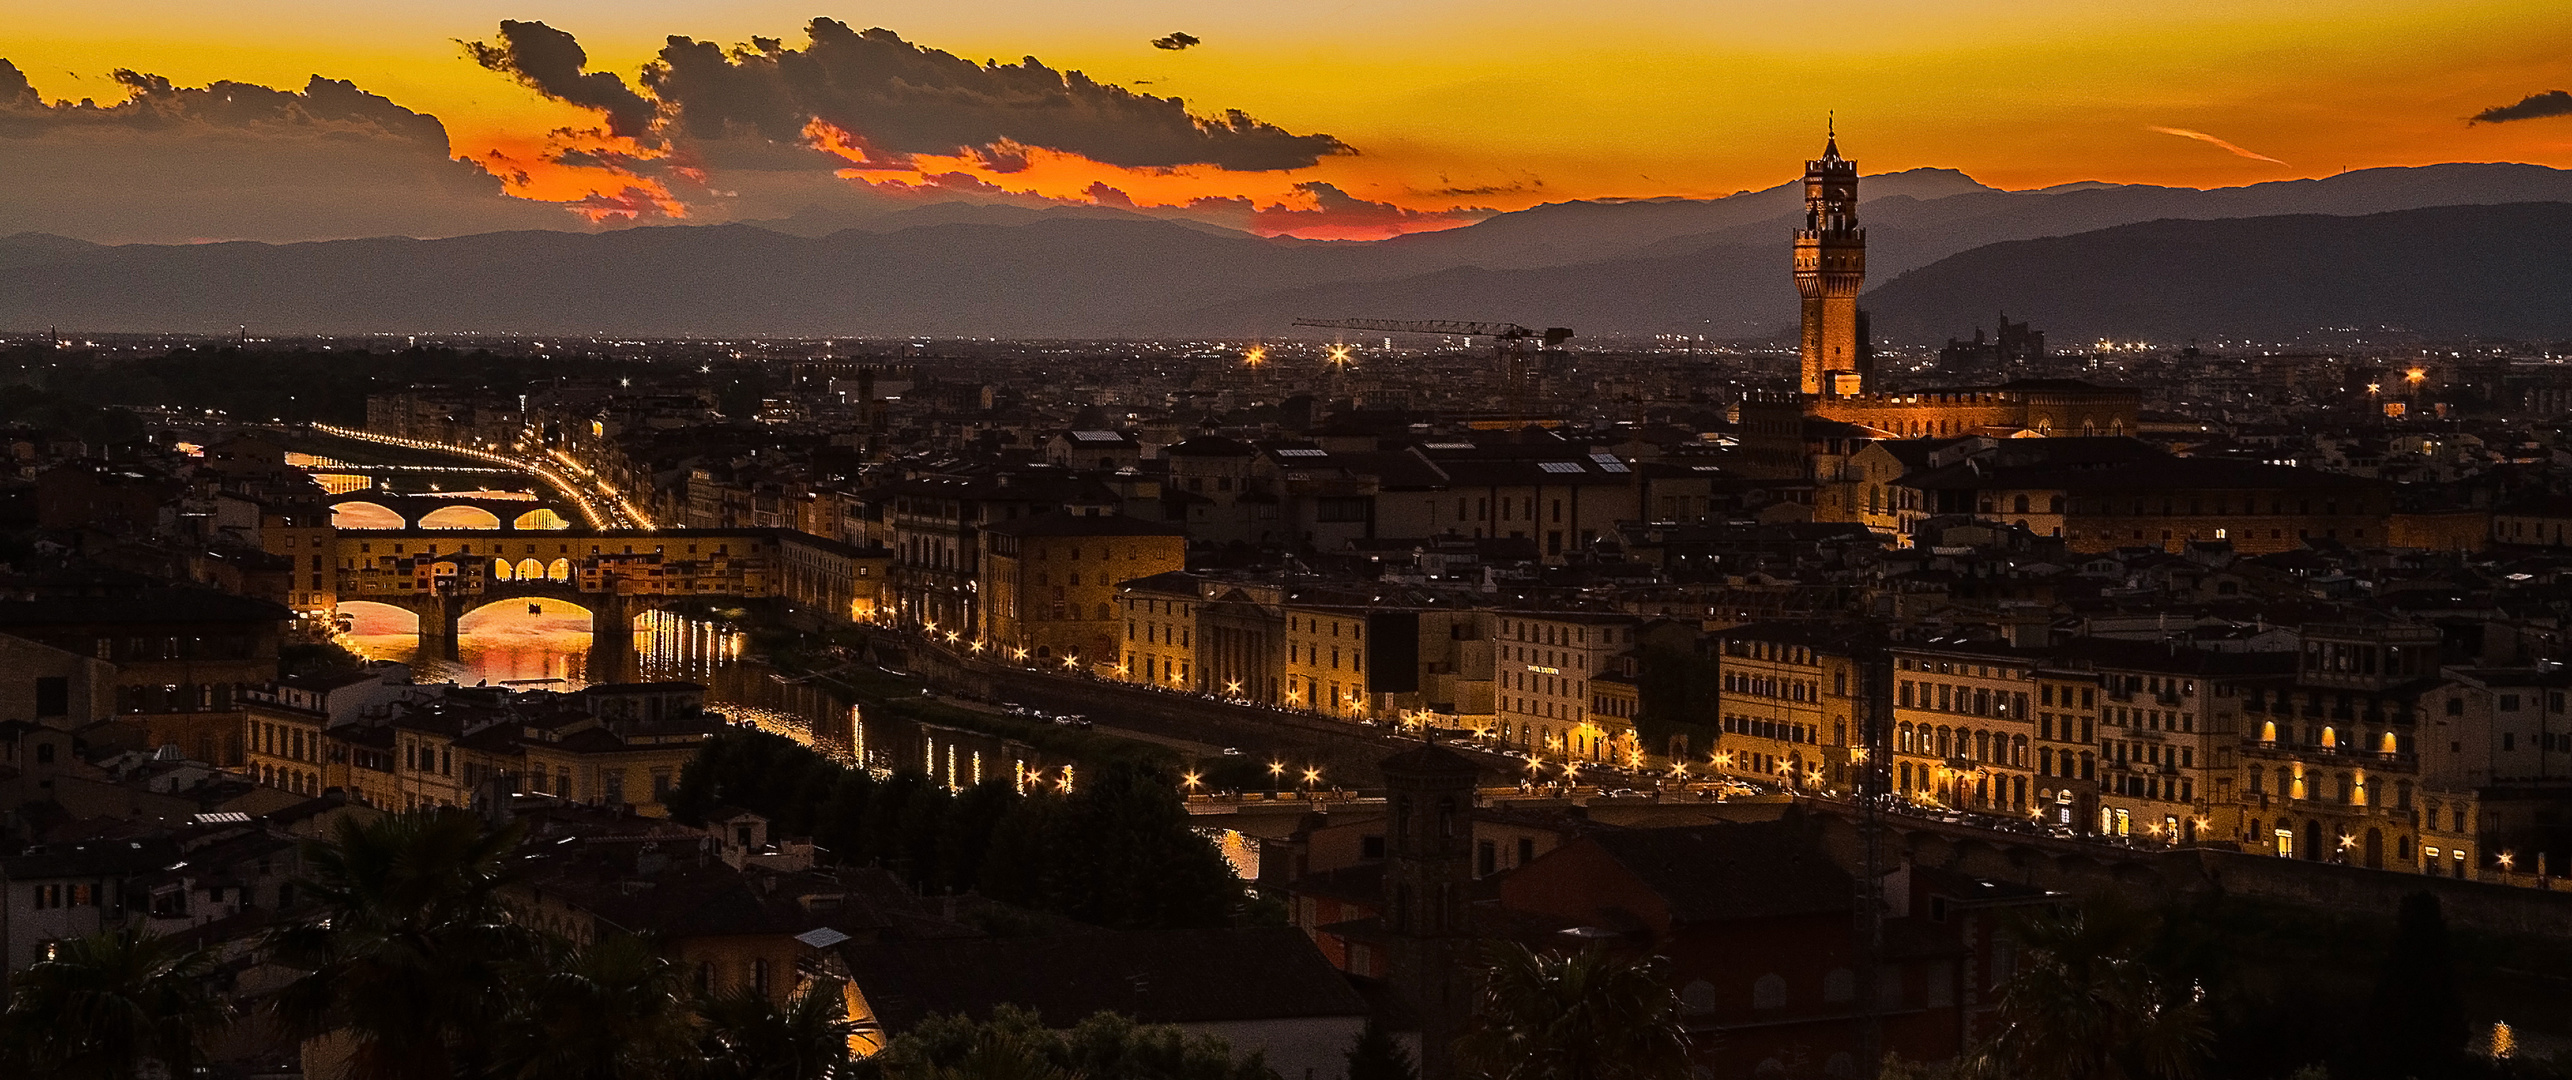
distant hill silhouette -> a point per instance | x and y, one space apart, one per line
1716 267
2503 271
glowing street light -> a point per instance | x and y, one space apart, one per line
1191 781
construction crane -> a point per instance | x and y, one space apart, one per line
1511 339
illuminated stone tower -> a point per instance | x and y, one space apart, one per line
1830 267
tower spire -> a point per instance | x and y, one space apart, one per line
1830 135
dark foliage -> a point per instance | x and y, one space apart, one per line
1377 1057
1016 1044
1117 851
2415 1023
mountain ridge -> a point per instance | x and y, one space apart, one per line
1073 275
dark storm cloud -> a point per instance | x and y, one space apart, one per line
551 63
153 103
233 160
14 89
902 99
2533 106
1175 42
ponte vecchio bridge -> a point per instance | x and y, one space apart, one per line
442 575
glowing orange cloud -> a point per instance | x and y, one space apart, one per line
1270 204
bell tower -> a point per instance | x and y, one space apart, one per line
1427 869
1830 267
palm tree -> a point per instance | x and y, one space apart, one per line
609 1010
408 944
2083 1005
1591 1015
749 1037
110 1005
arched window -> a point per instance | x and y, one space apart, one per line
2018 505
1698 996
559 570
1768 992
502 570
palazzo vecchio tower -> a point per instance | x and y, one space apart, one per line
1830 267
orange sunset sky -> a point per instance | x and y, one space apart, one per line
1441 111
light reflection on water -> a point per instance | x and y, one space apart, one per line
544 644
509 642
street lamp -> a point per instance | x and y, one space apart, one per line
1276 778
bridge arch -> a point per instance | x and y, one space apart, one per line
488 608
541 518
371 618
366 514
460 517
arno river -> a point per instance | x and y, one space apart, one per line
545 645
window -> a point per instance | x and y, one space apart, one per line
53 695
1768 992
